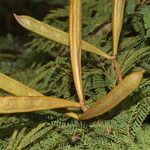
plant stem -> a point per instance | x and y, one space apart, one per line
117 68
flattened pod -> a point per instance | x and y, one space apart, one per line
12 104
75 34
117 19
16 88
112 99
55 34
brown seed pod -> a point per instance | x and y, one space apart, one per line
75 34
117 20
16 88
13 104
112 99
55 34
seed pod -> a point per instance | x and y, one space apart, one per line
12 104
117 19
16 88
75 34
112 99
55 34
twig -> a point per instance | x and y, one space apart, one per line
117 68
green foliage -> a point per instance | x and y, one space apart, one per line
145 12
45 66
131 6
6 42
7 54
21 140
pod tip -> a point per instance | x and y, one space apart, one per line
16 16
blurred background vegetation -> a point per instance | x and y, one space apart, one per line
12 35
35 8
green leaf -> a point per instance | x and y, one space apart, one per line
146 17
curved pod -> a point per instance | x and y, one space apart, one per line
112 99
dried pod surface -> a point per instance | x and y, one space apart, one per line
54 34
117 19
75 34
21 104
16 88
112 99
